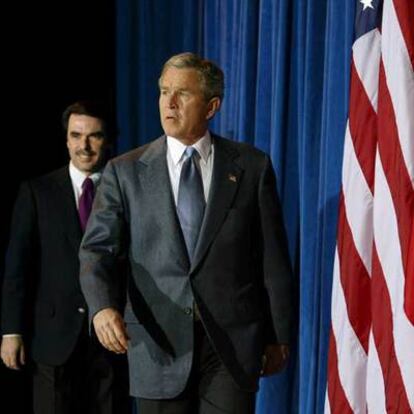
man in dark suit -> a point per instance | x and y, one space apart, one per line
208 296
44 313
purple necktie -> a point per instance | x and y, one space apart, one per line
85 202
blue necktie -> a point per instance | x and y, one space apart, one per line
190 201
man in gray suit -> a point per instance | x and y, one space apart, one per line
208 287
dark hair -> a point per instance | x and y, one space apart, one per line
95 109
211 76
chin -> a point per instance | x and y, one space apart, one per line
87 168
170 130
173 133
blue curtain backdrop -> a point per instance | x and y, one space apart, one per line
286 64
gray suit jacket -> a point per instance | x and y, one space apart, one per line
240 275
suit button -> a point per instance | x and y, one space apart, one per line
81 310
188 311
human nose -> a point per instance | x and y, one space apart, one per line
86 143
172 100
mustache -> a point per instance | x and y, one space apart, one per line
86 153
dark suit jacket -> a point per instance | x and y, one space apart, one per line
239 277
41 291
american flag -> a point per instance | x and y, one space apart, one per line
371 346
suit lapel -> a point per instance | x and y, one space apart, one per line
224 185
153 170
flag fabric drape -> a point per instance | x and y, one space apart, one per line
371 347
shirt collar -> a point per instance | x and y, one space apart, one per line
177 148
78 176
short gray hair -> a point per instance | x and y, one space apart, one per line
211 76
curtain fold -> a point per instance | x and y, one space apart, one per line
286 65
148 32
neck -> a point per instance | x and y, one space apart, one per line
191 140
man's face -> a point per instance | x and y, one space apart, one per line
184 110
86 143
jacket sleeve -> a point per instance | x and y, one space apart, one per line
20 266
276 265
103 247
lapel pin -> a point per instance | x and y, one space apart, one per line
232 178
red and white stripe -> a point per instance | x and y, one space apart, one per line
371 348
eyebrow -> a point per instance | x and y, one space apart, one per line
97 133
163 88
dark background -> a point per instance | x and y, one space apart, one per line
54 53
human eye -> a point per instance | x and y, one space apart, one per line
97 135
74 135
184 94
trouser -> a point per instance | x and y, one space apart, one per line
210 389
91 381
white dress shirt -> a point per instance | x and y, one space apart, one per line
78 177
175 159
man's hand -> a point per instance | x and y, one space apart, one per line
110 330
274 359
12 352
